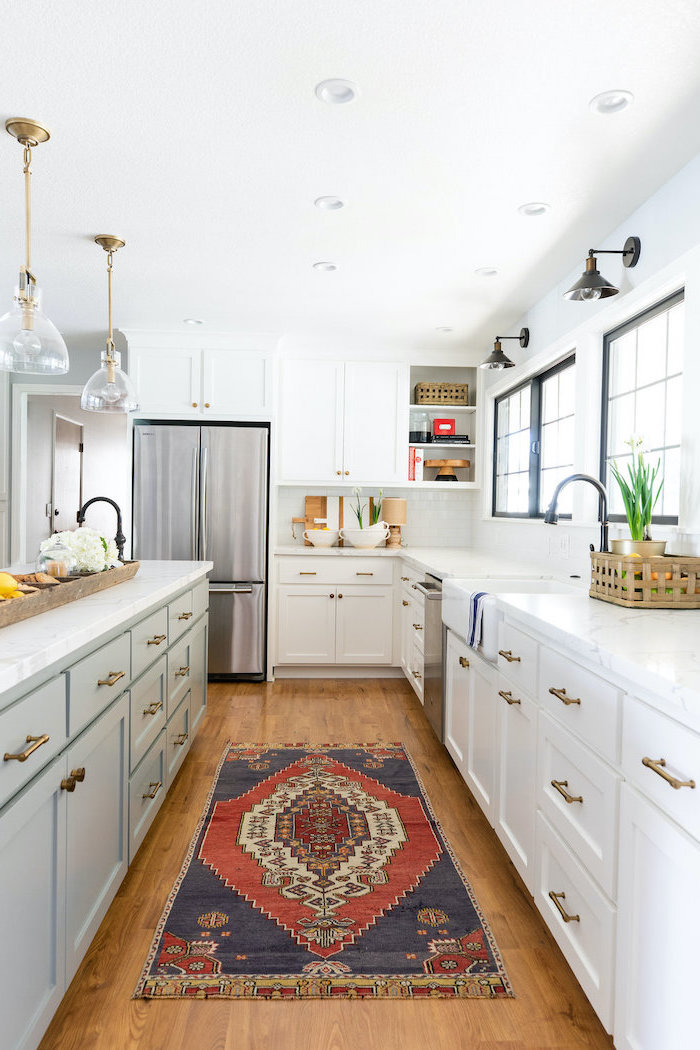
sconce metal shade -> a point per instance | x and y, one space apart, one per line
591 284
497 359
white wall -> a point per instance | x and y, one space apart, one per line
669 227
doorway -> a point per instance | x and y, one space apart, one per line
67 473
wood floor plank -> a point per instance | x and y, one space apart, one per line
549 1011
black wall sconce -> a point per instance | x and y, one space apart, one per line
592 285
497 359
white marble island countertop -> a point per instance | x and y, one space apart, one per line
31 646
654 653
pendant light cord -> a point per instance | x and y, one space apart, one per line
111 361
28 205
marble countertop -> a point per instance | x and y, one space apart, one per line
654 653
33 645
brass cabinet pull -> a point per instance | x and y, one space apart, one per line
35 741
156 639
331 596
183 672
207 405
346 473
155 786
561 695
78 774
68 784
657 765
418 627
405 578
463 662
307 573
556 898
364 574
180 740
560 786
185 616
112 678
404 602
508 696
153 708
194 404
417 674
508 654
339 472
340 596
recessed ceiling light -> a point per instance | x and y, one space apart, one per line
327 266
193 320
533 209
486 271
335 91
608 102
329 203
444 328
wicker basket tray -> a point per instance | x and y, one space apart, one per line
68 590
669 582
441 394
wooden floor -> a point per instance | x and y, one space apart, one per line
98 1013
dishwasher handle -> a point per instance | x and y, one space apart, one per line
432 593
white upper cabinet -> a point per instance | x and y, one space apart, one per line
343 421
177 379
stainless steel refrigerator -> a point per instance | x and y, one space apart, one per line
201 492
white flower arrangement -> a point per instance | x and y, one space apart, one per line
92 552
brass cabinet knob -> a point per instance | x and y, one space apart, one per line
463 662
194 404
339 472
331 596
207 405
404 602
347 472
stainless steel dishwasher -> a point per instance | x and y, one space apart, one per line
431 589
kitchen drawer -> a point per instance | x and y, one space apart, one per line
588 827
177 739
336 569
148 640
180 616
648 734
148 700
587 705
42 715
517 656
179 672
200 599
93 683
416 669
146 793
588 942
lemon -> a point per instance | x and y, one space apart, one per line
8 584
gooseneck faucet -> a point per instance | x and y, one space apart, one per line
120 538
551 517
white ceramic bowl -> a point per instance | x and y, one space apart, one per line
368 537
322 537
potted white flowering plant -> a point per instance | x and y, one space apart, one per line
367 533
90 551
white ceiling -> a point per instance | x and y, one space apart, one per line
192 131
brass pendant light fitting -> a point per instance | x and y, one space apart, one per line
110 245
497 359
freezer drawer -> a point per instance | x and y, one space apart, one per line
237 629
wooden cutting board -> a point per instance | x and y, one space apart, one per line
320 511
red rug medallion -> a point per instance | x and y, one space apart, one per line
320 872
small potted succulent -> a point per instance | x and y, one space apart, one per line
640 489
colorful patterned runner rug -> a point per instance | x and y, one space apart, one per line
320 872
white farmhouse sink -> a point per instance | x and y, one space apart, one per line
455 604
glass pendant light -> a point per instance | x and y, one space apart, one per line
109 389
29 342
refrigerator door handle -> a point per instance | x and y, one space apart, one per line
203 505
231 590
195 474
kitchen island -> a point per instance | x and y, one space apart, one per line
99 703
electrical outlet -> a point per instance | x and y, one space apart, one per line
564 545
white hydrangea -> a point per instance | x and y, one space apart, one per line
92 552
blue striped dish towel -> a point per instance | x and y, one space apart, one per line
476 612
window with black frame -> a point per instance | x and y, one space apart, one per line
642 402
534 443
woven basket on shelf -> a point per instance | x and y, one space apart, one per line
441 394
669 582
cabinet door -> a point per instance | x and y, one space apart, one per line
517 771
376 422
235 383
311 421
96 827
167 381
457 685
306 624
198 675
482 747
658 930
32 887
364 624
406 607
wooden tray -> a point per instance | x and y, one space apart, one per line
51 596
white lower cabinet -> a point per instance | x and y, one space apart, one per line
457 688
482 739
515 797
306 625
412 621
658 930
